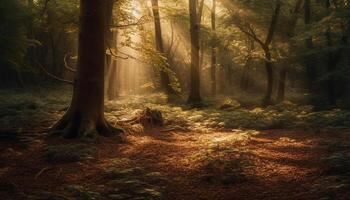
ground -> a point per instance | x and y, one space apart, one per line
194 157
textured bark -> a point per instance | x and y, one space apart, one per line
194 97
85 116
164 77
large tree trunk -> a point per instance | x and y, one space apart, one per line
194 97
164 77
213 49
85 116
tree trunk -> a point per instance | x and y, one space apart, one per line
111 63
310 72
282 84
270 80
290 34
331 67
85 116
213 49
164 77
246 69
268 59
194 97
246 75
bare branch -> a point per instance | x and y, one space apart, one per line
115 55
123 26
66 64
53 76
251 33
132 57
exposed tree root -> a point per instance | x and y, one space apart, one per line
74 126
147 117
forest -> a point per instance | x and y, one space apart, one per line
174 99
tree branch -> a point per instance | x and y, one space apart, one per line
123 26
53 76
273 24
115 55
251 33
66 64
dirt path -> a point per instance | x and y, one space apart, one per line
238 164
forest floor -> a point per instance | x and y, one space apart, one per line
203 154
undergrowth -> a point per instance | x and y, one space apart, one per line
20 109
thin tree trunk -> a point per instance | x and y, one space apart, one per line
194 97
111 63
270 79
85 116
282 84
213 49
310 45
331 67
268 62
164 77
290 34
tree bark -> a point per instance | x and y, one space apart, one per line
164 77
85 116
194 97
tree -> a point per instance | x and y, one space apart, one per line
165 79
111 62
310 45
85 116
290 33
265 45
194 97
213 49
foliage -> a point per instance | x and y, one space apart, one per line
13 34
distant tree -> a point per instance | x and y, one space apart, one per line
289 34
111 62
194 96
213 49
164 77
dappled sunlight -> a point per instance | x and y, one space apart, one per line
174 100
